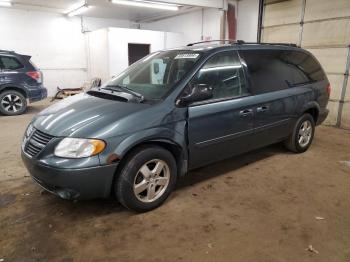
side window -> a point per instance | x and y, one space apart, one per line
305 68
267 71
273 70
224 73
10 63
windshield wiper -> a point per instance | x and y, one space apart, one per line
126 90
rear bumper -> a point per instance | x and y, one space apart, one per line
82 183
37 94
322 117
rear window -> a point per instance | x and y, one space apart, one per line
273 70
9 63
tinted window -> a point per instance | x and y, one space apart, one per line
224 73
9 63
273 70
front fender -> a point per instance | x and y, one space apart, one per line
119 146
153 134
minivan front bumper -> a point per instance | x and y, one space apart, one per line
82 183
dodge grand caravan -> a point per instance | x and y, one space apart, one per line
173 111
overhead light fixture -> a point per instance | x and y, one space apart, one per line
5 3
147 4
77 9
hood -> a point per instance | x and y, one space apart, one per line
83 115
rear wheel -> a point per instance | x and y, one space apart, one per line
146 179
12 103
303 134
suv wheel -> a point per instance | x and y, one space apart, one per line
303 134
12 103
147 178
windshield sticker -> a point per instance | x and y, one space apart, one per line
191 56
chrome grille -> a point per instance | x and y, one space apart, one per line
36 142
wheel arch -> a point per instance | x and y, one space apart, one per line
313 109
5 88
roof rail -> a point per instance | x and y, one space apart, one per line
241 42
2 50
231 41
286 44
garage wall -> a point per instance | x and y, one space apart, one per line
247 20
108 55
322 27
192 25
55 42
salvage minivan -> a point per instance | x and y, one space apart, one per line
173 111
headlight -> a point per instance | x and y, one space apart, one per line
79 147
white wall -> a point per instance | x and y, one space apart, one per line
247 20
108 48
192 25
55 42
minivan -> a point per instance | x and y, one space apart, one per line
174 111
20 82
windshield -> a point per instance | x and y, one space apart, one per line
155 75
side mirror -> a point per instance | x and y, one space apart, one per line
199 92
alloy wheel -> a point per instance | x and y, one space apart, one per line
151 181
305 133
11 103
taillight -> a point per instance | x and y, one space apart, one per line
36 75
329 89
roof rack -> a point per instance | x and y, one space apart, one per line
285 44
231 41
2 50
241 42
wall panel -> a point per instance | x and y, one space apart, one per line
326 9
327 33
282 13
286 34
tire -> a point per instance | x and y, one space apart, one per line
299 141
138 187
12 103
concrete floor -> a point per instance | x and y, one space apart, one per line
261 206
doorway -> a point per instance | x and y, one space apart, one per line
137 51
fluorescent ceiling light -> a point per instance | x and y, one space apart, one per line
5 3
147 4
77 9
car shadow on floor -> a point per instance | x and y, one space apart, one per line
231 164
100 207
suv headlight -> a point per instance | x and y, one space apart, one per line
79 147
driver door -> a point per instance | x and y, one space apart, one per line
222 126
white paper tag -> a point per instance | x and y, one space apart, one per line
191 56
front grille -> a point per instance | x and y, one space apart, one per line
36 142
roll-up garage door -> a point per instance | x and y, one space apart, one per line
323 28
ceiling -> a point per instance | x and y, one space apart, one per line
105 9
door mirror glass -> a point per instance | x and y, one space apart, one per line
199 92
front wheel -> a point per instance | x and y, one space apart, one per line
147 178
303 133
12 103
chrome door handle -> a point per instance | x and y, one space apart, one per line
246 112
262 109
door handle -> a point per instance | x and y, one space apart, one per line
262 109
246 112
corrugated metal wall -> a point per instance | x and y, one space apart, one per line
322 27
